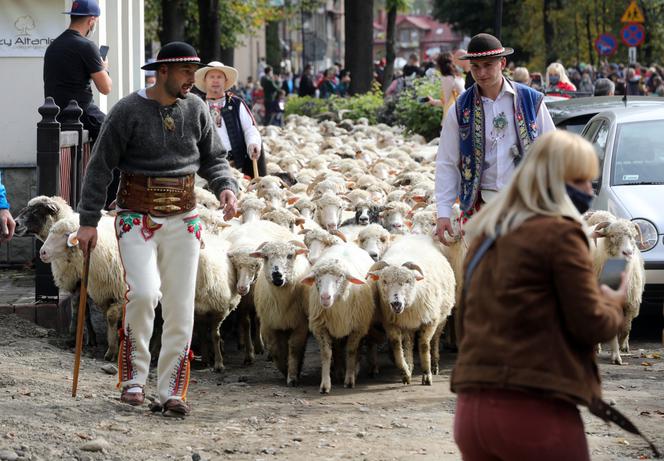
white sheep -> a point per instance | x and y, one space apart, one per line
106 286
318 240
341 305
416 294
250 208
39 215
393 217
375 240
329 208
281 306
617 239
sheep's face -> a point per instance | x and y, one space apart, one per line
279 260
620 238
396 195
276 198
331 282
246 269
316 248
424 223
307 212
54 247
329 216
36 217
397 286
374 242
362 216
393 219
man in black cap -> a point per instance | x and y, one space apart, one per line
485 134
71 60
159 137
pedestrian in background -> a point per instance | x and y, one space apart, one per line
557 82
604 87
532 313
328 85
521 75
7 224
270 86
307 86
451 85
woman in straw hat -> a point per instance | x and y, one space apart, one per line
235 123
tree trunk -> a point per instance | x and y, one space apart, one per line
272 45
591 47
172 21
228 56
359 44
549 34
390 53
209 30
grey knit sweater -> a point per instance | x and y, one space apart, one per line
135 139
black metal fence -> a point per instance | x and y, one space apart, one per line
63 151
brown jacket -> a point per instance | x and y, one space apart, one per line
533 313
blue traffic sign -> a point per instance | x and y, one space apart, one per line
606 44
633 34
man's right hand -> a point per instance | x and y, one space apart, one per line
86 235
442 225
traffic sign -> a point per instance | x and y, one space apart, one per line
633 13
606 45
631 54
633 34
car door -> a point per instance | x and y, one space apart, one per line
597 133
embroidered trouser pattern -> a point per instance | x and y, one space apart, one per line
160 260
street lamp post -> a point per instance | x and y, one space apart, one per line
498 24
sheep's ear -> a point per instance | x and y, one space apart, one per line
299 221
354 280
301 251
373 276
52 208
409 224
309 280
238 213
72 241
418 198
257 254
292 200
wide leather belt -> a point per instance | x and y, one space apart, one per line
157 196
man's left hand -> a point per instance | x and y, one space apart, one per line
254 151
228 203
7 225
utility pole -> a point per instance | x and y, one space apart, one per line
498 24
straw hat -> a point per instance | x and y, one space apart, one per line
229 72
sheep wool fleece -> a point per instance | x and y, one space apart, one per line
160 260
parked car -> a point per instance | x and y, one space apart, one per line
573 114
630 146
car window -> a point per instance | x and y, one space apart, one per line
638 156
599 141
591 128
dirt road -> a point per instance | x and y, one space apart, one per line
247 413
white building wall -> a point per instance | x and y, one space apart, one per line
120 27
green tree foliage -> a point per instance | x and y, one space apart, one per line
542 31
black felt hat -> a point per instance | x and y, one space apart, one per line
174 52
485 46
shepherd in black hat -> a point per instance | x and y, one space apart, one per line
159 137
485 134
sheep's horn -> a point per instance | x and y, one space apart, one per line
414 267
339 234
638 231
378 265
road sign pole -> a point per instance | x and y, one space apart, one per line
631 53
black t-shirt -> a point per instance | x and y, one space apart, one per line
68 63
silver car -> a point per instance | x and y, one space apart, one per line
630 145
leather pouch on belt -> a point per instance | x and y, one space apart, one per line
158 196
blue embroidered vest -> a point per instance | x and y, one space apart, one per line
470 115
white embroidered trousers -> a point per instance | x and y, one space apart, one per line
160 260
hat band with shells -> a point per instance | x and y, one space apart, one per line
180 59
481 54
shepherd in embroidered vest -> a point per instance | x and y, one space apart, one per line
485 134
233 118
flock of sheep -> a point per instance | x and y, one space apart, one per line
337 240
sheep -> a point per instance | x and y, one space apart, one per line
329 208
305 207
365 213
617 239
206 198
282 217
340 305
375 240
244 239
416 289
39 215
216 296
318 240
250 208
106 286
281 306
393 217
423 222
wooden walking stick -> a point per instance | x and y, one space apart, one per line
83 300
254 163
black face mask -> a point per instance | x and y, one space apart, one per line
580 199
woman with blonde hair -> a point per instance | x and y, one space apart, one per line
557 81
532 312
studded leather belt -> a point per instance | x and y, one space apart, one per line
157 196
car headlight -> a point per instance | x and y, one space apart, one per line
649 235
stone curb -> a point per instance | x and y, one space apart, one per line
48 315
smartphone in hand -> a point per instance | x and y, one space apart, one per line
423 99
103 51
611 273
